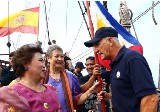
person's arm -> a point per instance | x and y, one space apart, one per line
88 93
149 103
90 82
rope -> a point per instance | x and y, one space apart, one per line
13 44
82 57
44 42
154 20
142 14
134 30
82 54
49 42
83 13
76 36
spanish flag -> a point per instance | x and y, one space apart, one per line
25 21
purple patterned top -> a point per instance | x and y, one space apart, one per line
74 84
36 99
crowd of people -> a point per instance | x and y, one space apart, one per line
33 83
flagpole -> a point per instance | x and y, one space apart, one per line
96 56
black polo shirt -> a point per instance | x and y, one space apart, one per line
131 79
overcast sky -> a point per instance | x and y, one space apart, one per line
65 31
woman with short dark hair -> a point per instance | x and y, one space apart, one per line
29 66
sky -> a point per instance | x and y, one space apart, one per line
66 25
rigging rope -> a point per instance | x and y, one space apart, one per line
44 42
142 14
76 36
13 44
82 57
83 13
154 20
82 54
49 42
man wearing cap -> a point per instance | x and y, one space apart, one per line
132 85
78 69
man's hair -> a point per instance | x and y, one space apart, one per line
90 58
53 48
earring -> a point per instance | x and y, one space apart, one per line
26 68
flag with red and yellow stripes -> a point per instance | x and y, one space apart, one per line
25 21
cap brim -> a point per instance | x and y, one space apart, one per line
82 67
91 42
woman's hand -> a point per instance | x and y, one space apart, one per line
95 87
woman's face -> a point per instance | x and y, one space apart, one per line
37 66
57 59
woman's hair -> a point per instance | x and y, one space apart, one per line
23 56
53 48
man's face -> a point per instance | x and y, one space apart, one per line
79 69
90 66
102 48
